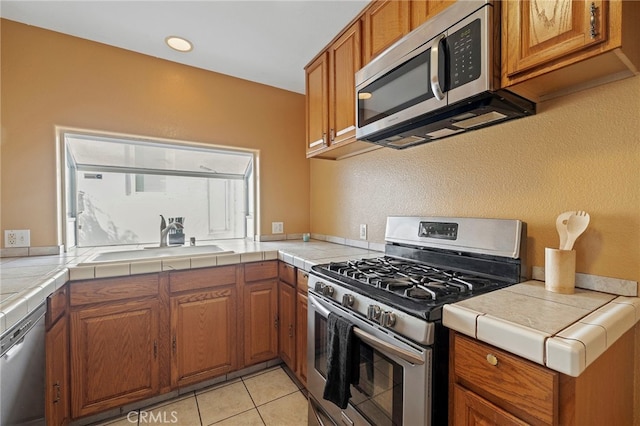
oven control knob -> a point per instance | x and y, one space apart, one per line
388 319
347 300
373 312
327 290
323 289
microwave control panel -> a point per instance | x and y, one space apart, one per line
464 48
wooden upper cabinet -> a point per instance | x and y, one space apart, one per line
551 48
422 10
330 77
539 31
344 60
385 22
331 116
317 90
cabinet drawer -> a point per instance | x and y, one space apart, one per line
202 278
56 306
303 281
260 271
287 273
112 289
517 385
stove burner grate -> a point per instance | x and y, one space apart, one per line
410 279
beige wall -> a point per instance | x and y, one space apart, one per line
50 79
580 152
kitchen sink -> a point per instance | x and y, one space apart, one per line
151 253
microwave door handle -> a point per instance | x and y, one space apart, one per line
436 88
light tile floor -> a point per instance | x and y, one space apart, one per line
269 397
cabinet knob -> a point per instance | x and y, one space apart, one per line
491 359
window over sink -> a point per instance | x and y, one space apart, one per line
116 188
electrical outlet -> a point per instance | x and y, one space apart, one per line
17 238
363 231
277 227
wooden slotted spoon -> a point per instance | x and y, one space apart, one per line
576 225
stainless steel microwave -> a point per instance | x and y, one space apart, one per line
440 80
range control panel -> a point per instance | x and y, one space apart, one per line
442 230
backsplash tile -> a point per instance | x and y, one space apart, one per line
597 283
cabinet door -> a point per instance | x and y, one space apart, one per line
422 10
286 324
114 355
301 337
317 82
260 321
526 389
471 410
344 59
203 335
57 373
537 32
385 22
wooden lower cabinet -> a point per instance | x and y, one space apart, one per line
114 341
287 323
301 337
492 386
203 335
114 355
57 373
472 410
260 296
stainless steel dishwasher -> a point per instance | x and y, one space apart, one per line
22 371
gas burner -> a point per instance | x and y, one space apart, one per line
409 279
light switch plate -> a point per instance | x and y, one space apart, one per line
363 231
277 227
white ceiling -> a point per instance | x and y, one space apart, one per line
266 41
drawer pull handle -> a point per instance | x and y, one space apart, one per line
491 359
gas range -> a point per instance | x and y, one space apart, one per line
428 262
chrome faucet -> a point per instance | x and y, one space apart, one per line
164 230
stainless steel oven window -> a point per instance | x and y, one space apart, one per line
378 396
320 347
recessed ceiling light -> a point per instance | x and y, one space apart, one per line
178 43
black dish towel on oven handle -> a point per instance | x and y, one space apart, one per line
342 360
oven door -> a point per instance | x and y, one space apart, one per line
395 380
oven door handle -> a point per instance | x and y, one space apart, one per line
372 340
387 347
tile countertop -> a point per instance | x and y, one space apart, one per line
565 332
25 282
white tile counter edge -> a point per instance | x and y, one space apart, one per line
569 351
13 310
